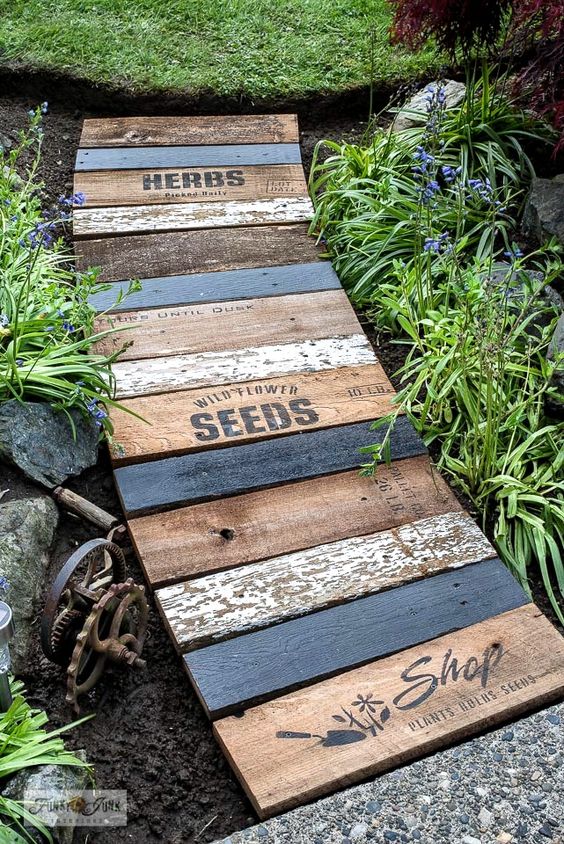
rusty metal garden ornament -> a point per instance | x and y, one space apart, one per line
94 615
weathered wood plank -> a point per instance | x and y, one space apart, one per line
203 155
223 605
179 253
238 672
228 325
193 420
203 288
203 538
159 484
184 131
197 184
364 722
207 369
191 215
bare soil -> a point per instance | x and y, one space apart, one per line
149 734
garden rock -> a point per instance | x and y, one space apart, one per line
543 217
58 782
39 441
27 528
414 112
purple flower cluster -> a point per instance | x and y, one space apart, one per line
40 235
97 412
440 244
78 198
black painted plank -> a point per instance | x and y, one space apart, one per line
160 484
220 286
132 158
242 671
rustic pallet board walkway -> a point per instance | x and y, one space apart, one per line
204 538
198 184
237 672
191 215
216 326
220 606
247 411
183 131
225 286
173 481
365 721
153 256
371 610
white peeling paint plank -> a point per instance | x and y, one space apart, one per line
180 372
190 215
219 606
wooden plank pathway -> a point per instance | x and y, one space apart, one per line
333 626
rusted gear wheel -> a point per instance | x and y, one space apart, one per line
115 630
88 572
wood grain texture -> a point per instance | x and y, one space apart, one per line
238 672
191 215
196 184
183 131
193 420
208 369
147 487
315 741
151 256
228 325
203 288
230 603
203 538
203 155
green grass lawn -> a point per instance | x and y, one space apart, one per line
257 48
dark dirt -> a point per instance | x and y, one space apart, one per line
150 735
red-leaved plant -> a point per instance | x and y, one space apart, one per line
533 29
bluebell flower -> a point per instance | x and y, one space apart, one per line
514 253
431 245
79 198
429 191
96 411
449 174
68 326
7 202
4 321
44 107
19 361
31 113
4 584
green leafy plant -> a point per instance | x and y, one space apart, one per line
421 246
368 199
24 743
46 323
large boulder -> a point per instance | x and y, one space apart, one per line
415 112
27 529
58 783
40 441
543 217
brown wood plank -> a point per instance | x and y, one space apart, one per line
368 720
200 251
201 184
228 325
204 538
181 131
229 414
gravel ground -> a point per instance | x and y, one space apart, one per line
506 786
